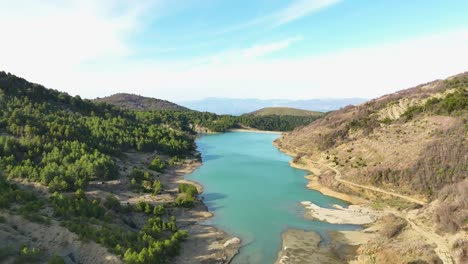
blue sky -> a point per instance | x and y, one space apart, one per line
191 49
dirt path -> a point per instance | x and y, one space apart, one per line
442 249
372 188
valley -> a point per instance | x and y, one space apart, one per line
136 183
234 132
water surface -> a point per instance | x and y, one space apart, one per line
254 193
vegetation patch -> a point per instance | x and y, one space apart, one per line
453 103
157 164
187 195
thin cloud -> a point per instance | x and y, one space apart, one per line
265 49
301 9
366 72
252 52
294 11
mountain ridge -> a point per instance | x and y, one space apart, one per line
237 106
283 111
139 102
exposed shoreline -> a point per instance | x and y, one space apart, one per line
292 243
412 241
348 241
217 239
315 185
205 243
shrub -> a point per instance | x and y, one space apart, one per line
27 255
174 161
188 189
158 210
158 164
185 200
112 203
452 212
157 187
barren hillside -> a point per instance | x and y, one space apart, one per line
401 151
413 140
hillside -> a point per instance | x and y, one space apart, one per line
282 111
394 150
209 122
138 102
73 171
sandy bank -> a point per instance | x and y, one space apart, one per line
300 246
205 244
354 214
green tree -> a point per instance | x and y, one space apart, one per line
157 164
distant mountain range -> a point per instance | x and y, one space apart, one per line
138 102
234 106
285 111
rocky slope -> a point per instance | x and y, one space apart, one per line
405 151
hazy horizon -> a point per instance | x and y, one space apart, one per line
197 49
236 106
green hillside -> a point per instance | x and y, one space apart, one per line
138 102
65 145
285 111
87 156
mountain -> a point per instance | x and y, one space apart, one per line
75 178
233 106
284 111
138 102
396 136
406 153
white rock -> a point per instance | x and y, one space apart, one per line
232 241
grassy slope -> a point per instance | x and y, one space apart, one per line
284 111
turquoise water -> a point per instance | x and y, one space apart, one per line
255 194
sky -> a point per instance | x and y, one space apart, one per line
269 49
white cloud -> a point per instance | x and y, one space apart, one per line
301 8
60 45
262 50
254 52
294 11
366 72
74 32
54 39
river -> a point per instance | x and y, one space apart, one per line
255 194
